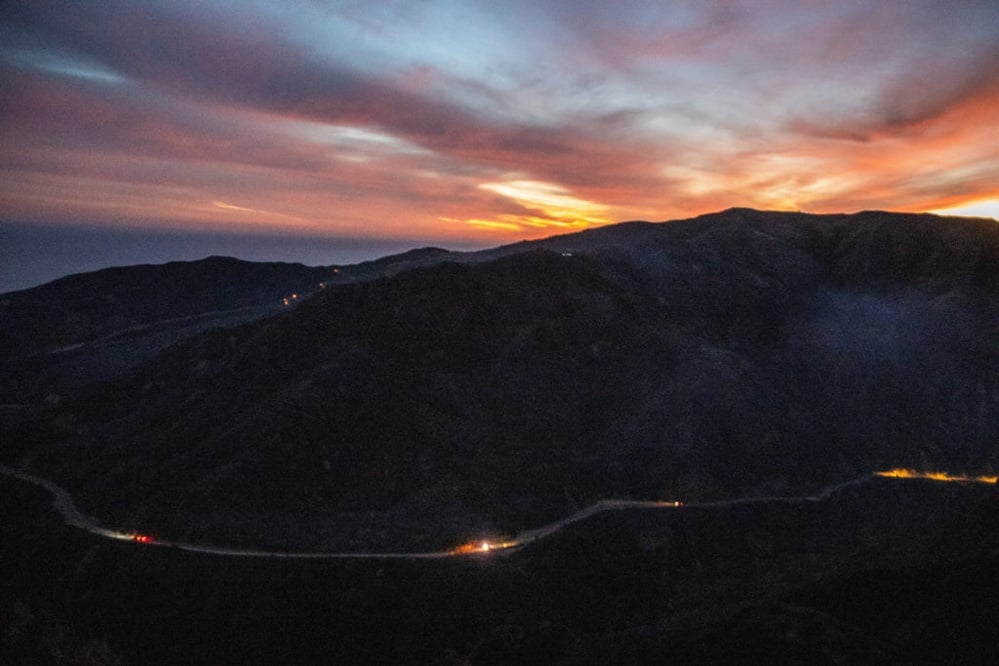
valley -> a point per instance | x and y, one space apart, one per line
63 504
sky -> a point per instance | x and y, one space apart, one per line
489 122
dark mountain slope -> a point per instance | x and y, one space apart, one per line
83 307
94 326
418 394
738 353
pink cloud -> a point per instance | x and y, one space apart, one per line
811 105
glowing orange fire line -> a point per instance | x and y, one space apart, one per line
902 473
482 547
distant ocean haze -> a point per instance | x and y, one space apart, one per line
33 254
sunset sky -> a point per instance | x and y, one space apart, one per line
487 122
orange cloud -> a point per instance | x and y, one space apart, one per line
224 124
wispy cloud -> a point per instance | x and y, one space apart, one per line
447 119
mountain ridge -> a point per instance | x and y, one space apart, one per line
736 353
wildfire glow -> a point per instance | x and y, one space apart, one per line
482 547
901 473
467 548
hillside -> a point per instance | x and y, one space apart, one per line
738 353
95 326
889 571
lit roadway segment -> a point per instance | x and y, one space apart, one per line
72 516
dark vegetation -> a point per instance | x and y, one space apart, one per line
892 572
419 401
80 308
735 354
95 326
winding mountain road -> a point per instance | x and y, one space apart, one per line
63 503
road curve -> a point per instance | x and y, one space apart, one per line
63 503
